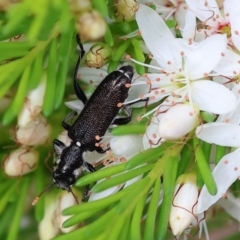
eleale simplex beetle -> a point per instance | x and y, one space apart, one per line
99 112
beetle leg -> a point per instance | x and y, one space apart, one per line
140 100
123 120
100 150
89 168
69 116
79 92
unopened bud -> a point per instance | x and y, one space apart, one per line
179 120
33 104
126 145
21 161
98 55
125 10
79 5
91 25
63 137
184 204
36 132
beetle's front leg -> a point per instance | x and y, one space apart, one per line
123 120
71 115
89 168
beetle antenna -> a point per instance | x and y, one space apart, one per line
35 201
70 190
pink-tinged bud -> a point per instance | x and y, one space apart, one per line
179 120
63 137
184 204
79 5
91 25
125 10
21 161
36 132
33 104
98 55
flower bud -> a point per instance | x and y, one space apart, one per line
184 204
34 133
79 5
63 137
51 224
33 104
98 55
179 120
126 145
124 10
91 25
65 200
21 161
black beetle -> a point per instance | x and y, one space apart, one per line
99 112
92 123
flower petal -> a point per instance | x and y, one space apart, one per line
212 97
231 205
224 134
229 64
92 75
75 105
156 35
234 116
231 9
225 173
205 11
197 64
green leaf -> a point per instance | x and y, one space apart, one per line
121 178
118 53
15 223
128 129
152 211
63 56
98 204
36 72
170 173
100 6
49 101
135 230
147 155
102 173
204 167
18 101
78 218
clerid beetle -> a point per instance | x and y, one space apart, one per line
99 112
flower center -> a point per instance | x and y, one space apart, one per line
225 29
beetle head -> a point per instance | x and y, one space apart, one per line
68 165
127 70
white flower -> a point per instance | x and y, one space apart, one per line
224 132
184 205
184 71
21 161
208 12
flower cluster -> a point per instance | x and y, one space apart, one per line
190 77
180 153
